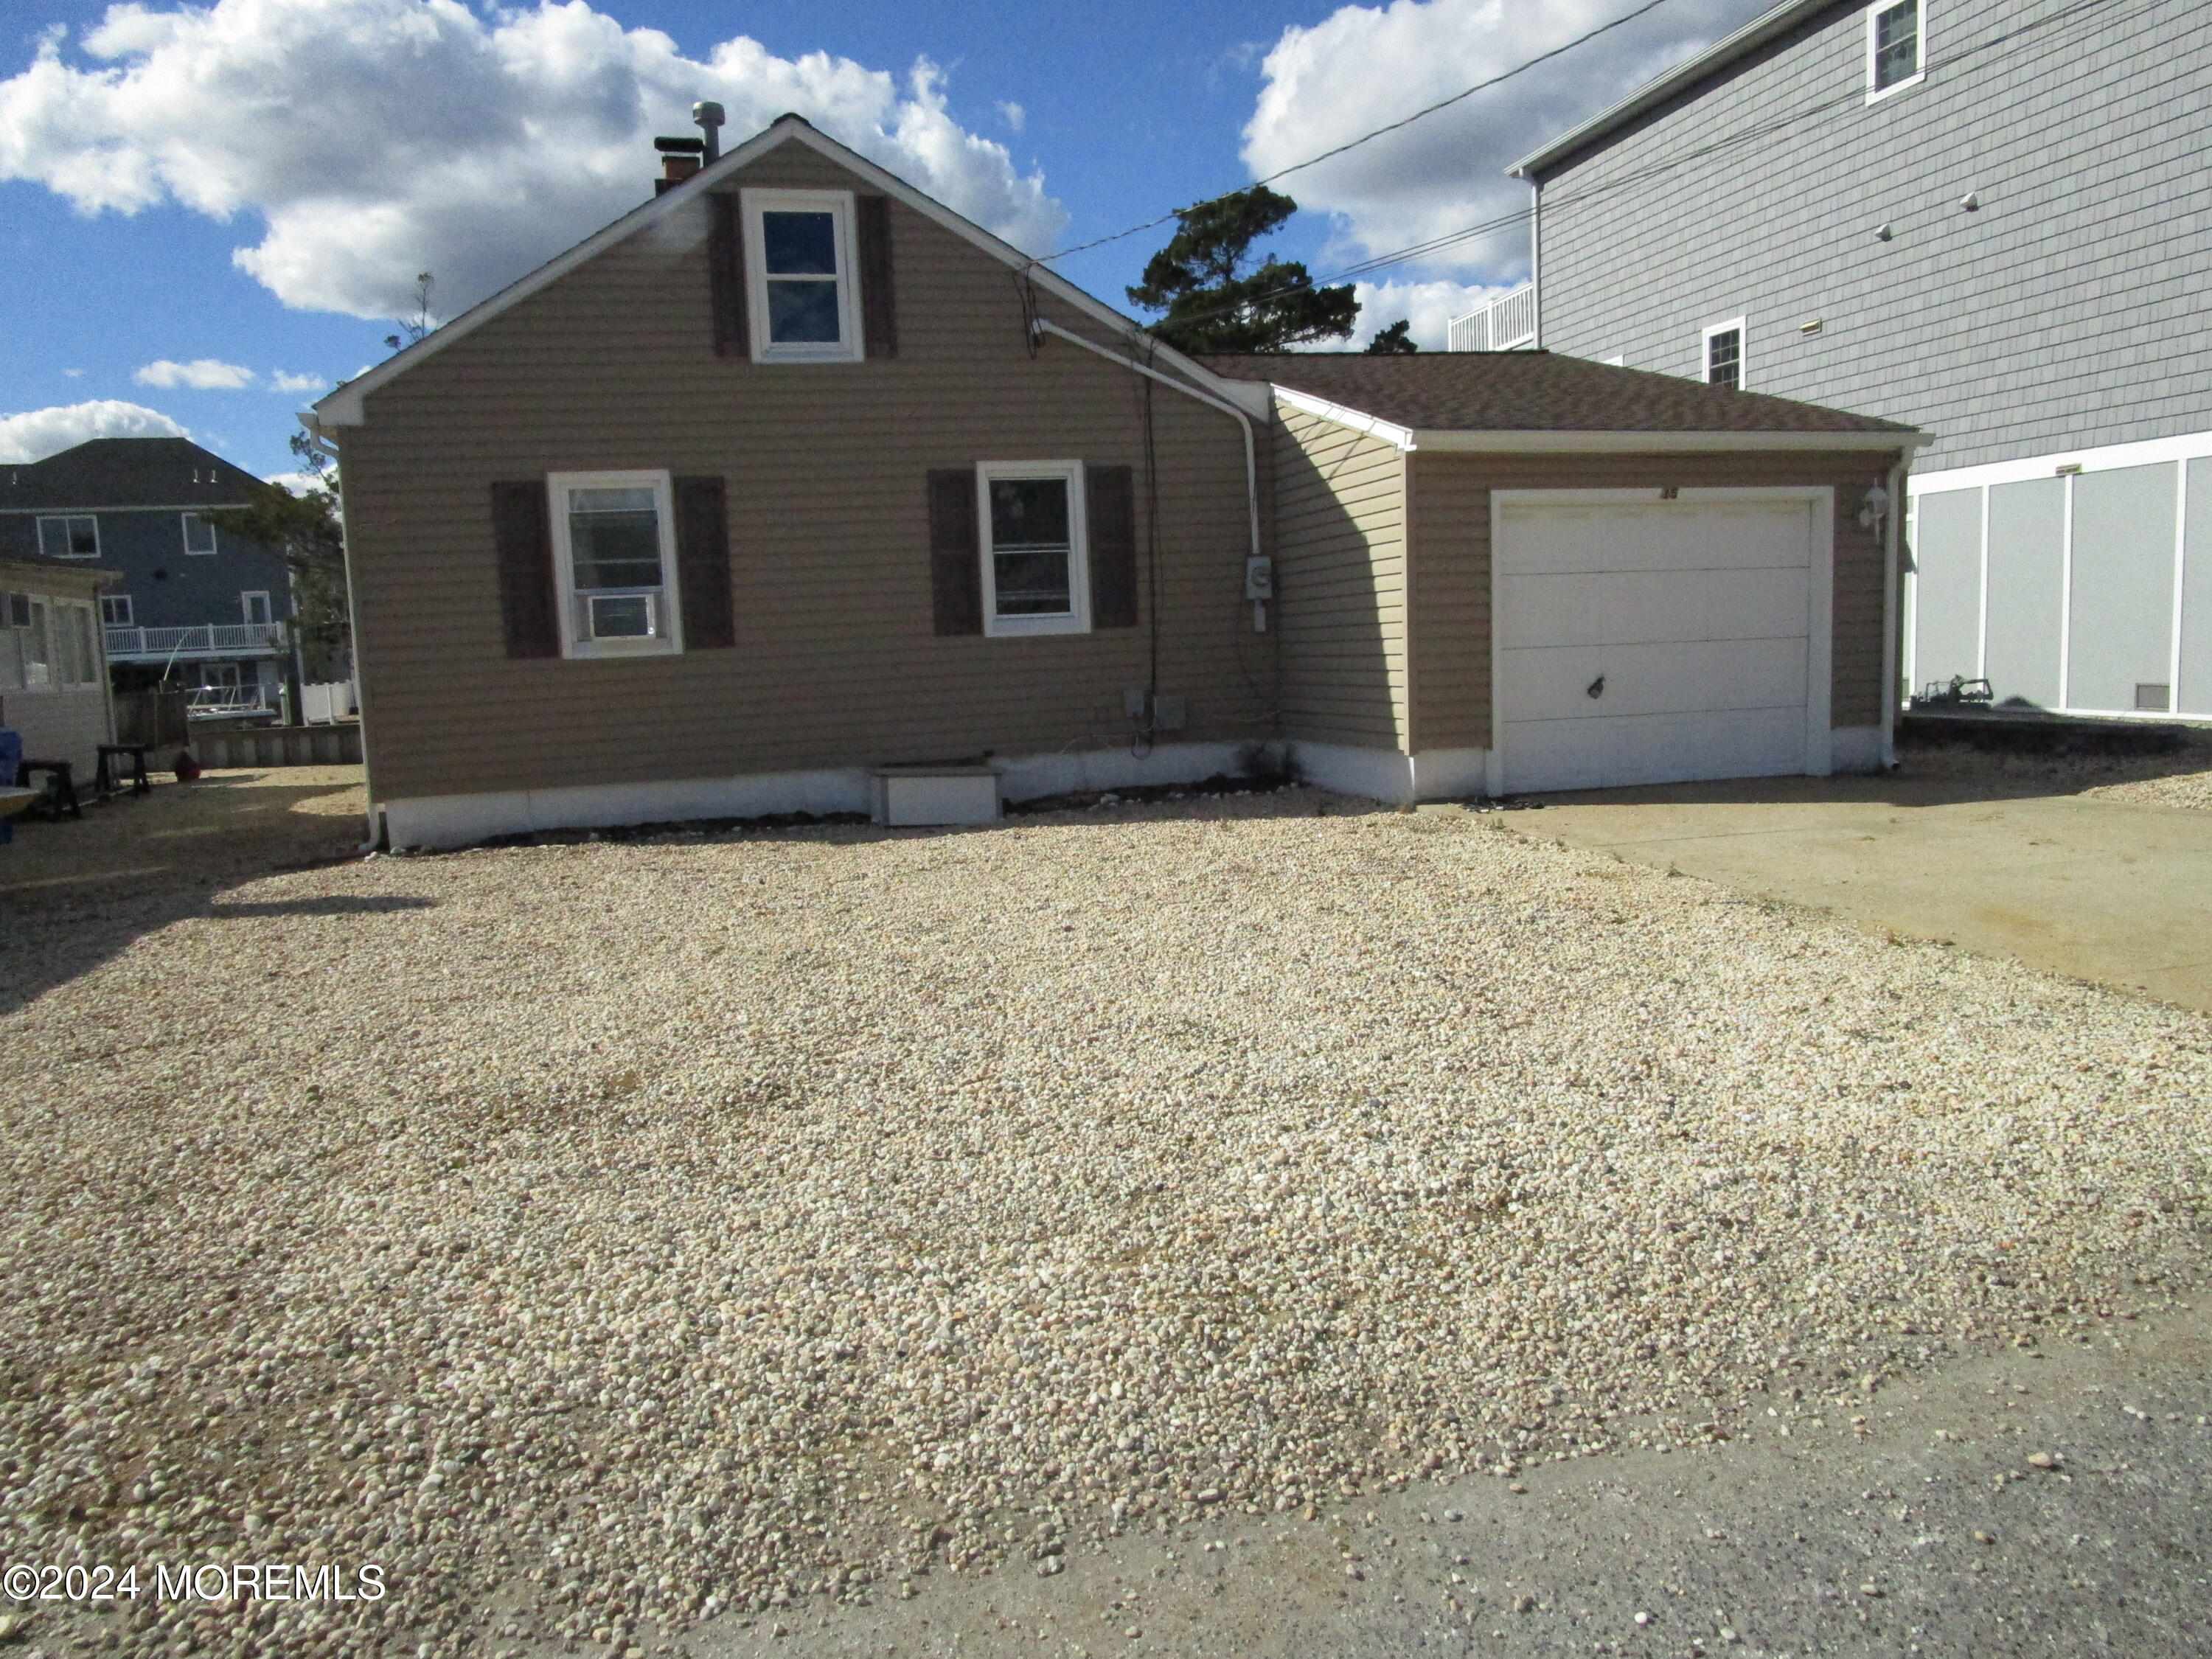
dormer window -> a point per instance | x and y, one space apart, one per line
802 299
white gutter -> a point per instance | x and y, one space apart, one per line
1521 440
1524 442
1251 459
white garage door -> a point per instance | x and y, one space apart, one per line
1642 641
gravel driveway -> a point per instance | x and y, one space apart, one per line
601 1237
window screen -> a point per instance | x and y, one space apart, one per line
1724 358
800 257
1031 547
1896 44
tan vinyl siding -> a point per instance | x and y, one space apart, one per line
837 662
1449 497
1340 546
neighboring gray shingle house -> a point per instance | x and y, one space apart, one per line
192 604
1991 220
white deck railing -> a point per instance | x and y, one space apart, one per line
208 639
1503 323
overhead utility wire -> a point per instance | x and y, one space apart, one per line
1364 137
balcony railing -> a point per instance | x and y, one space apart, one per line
1503 323
184 644
217 701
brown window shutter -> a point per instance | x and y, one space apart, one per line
878 288
523 533
1110 501
955 556
702 564
725 275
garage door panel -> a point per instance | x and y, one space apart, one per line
1594 608
1551 683
1756 604
1703 676
1758 534
1544 754
1605 607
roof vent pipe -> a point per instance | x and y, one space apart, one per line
708 117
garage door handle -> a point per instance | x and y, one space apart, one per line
1597 686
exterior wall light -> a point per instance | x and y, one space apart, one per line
1873 507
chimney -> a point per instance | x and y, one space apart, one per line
679 160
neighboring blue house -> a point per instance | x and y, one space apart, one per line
1992 220
194 605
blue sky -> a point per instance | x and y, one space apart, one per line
201 211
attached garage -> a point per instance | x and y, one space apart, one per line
1506 572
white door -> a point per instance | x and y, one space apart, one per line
1645 641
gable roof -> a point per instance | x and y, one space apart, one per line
1766 26
344 405
1542 400
108 472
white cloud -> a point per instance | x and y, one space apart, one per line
39 433
1362 67
281 381
373 139
1427 306
74 373
1014 116
201 374
300 483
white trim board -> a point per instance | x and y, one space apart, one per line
1343 415
345 405
2104 458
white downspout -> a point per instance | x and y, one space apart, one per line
322 445
1892 548
1536 264
1251 460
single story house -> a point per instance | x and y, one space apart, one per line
54 664
793 475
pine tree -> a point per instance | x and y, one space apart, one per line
1214 303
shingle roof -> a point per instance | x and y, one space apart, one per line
125 472
1531 392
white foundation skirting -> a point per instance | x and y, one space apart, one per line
442 820
1857 748
1383 774
1388 775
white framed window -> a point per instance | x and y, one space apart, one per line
1894 47
802 298
1036 567
1724 355
69 538
256 607
199 534
614 551
116 611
